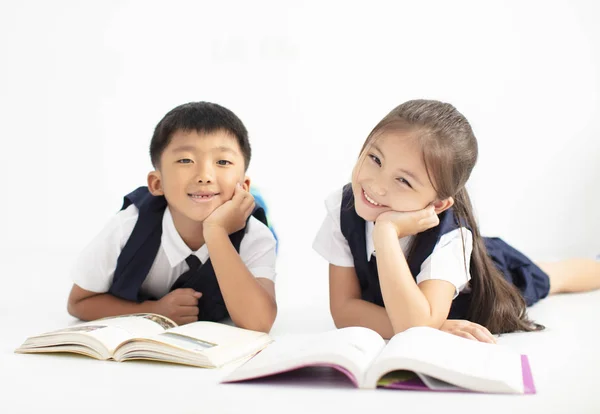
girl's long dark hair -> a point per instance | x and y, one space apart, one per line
450 153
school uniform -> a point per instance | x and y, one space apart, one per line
441 253
139 255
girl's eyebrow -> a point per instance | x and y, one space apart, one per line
402 170
379 151
411 174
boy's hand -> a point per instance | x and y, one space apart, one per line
180 305
407 223
468 329
232 215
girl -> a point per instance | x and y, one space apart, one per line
404 247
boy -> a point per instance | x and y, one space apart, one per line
185 247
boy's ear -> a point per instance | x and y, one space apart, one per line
246 183
442 205
155 183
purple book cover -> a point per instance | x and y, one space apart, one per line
416 384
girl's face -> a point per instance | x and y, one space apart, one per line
391 175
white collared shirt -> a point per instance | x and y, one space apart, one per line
95 267
446 262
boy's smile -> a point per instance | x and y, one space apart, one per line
198 172
203 196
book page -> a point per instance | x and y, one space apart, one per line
218 342
207 344
462 362
352 349
113 331
102 336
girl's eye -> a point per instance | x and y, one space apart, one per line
184 161
403 181
223 162
375 159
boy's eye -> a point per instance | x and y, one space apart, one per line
184 161
375 159
223 162
404 181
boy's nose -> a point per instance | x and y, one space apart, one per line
204 175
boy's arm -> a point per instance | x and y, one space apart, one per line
249 300
93 270
87 305
180 305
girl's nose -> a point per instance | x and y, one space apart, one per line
378 189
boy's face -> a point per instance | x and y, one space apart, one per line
198 172
391 175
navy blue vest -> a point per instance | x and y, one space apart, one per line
137 257
354 230
517 269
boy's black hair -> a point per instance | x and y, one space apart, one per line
203 117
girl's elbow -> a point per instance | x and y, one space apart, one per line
413 323
339 316
337 321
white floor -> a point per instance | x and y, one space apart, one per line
565 360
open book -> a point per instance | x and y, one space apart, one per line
419 358
154 337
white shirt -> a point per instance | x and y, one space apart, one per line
94 269
446 262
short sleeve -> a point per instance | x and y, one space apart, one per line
258 250
95 267
450 260
330 243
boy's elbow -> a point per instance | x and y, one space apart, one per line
73 309
264 323
76 308
267 323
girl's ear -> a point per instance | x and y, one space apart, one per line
246 183
155 183
442 205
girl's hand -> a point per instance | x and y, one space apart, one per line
408 223
468 329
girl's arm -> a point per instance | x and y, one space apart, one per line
408 304
347 307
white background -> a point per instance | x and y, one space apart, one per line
83 84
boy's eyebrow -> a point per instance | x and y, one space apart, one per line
224 148
184 148
191 148
407 172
